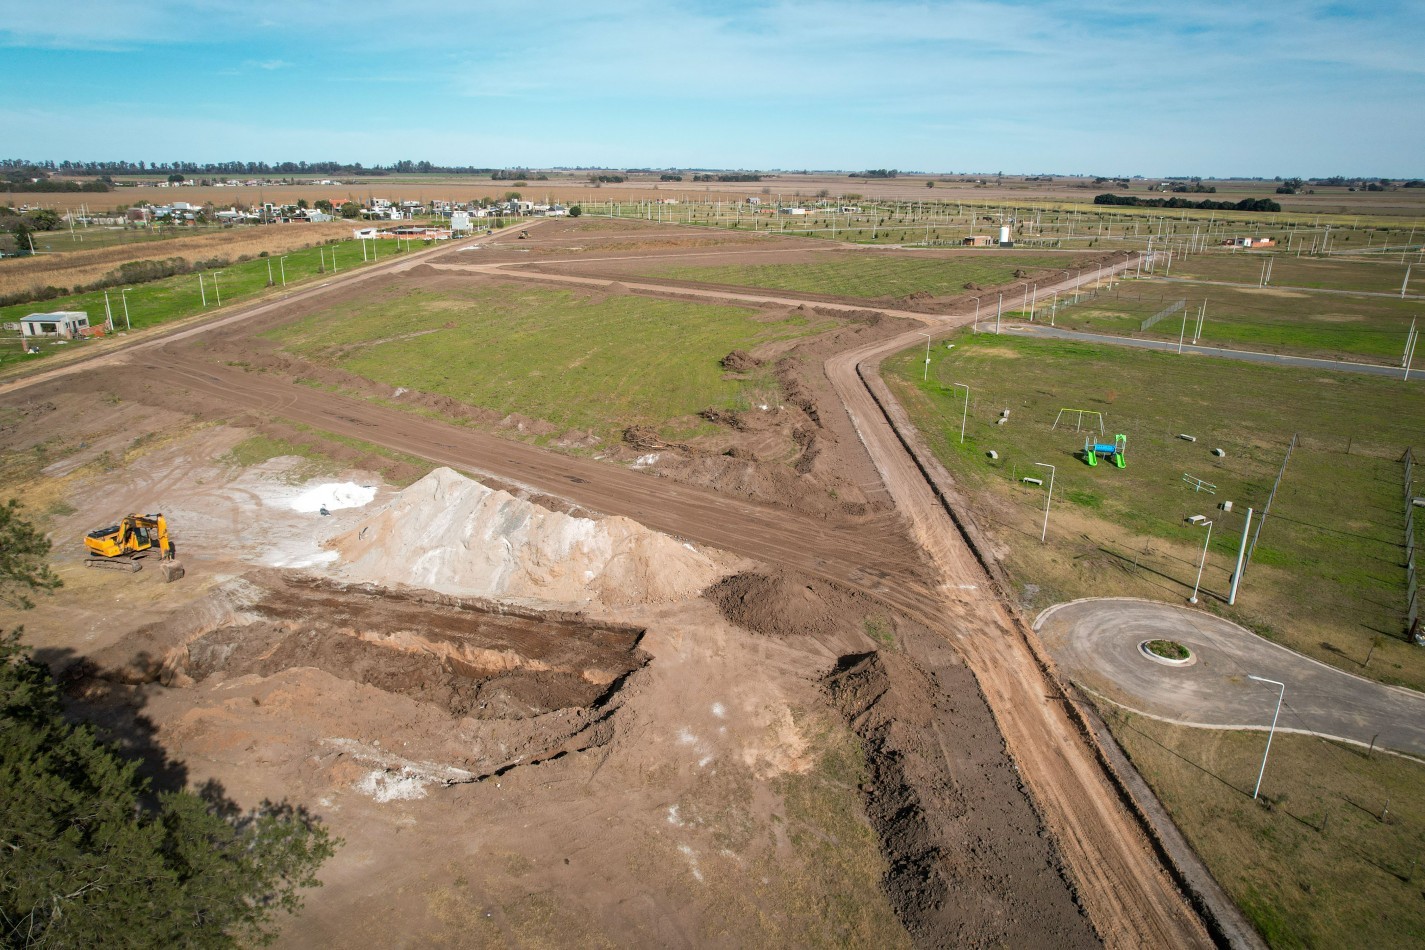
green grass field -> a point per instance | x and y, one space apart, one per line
1318 868
873 276
574 361
1331 326
173 298
1375 275
1328 573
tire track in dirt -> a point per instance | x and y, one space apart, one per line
1125 887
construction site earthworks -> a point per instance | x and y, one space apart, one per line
588 603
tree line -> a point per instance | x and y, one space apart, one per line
1133 201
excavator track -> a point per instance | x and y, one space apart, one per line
114 564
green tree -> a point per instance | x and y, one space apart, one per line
323 204
575 211
23 550
44 219
89 856
350 209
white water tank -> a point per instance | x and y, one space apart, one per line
1004 235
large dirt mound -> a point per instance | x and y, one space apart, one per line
451 534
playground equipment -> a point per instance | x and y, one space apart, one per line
1114 453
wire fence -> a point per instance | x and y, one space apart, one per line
1166 312
1412 585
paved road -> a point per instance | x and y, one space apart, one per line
1095 642
1248 356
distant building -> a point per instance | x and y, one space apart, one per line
1249 242
978 240
67 324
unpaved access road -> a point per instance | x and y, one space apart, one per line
1122 883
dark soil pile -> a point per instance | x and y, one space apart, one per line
970 865
740 361
787 604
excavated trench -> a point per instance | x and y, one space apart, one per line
469 658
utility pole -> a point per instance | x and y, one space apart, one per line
1241 556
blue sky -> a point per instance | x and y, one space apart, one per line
1099 86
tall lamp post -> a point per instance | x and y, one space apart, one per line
1272 732
124 296
1044 533
926 375
282 268
964 412
1200 563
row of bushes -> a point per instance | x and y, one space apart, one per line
131 272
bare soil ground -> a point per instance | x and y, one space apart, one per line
800 757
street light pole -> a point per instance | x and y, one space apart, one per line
1044 533
964 412
124 296
926 375
1272 732
216 289
1200 563
282 268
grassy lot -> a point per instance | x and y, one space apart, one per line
172 298
1378 275
88 239
873 276
1316 866
1328 574
1332 326
575 361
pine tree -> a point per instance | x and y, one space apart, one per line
89 856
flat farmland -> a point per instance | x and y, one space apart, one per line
574 361
1327 577
1299 323
873 276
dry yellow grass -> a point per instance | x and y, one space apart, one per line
79 268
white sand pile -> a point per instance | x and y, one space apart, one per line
333 495
451 534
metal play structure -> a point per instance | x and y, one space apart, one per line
1093 451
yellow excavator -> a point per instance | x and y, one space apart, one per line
120 547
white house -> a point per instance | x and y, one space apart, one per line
61 323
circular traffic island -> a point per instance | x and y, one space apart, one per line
1167 652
